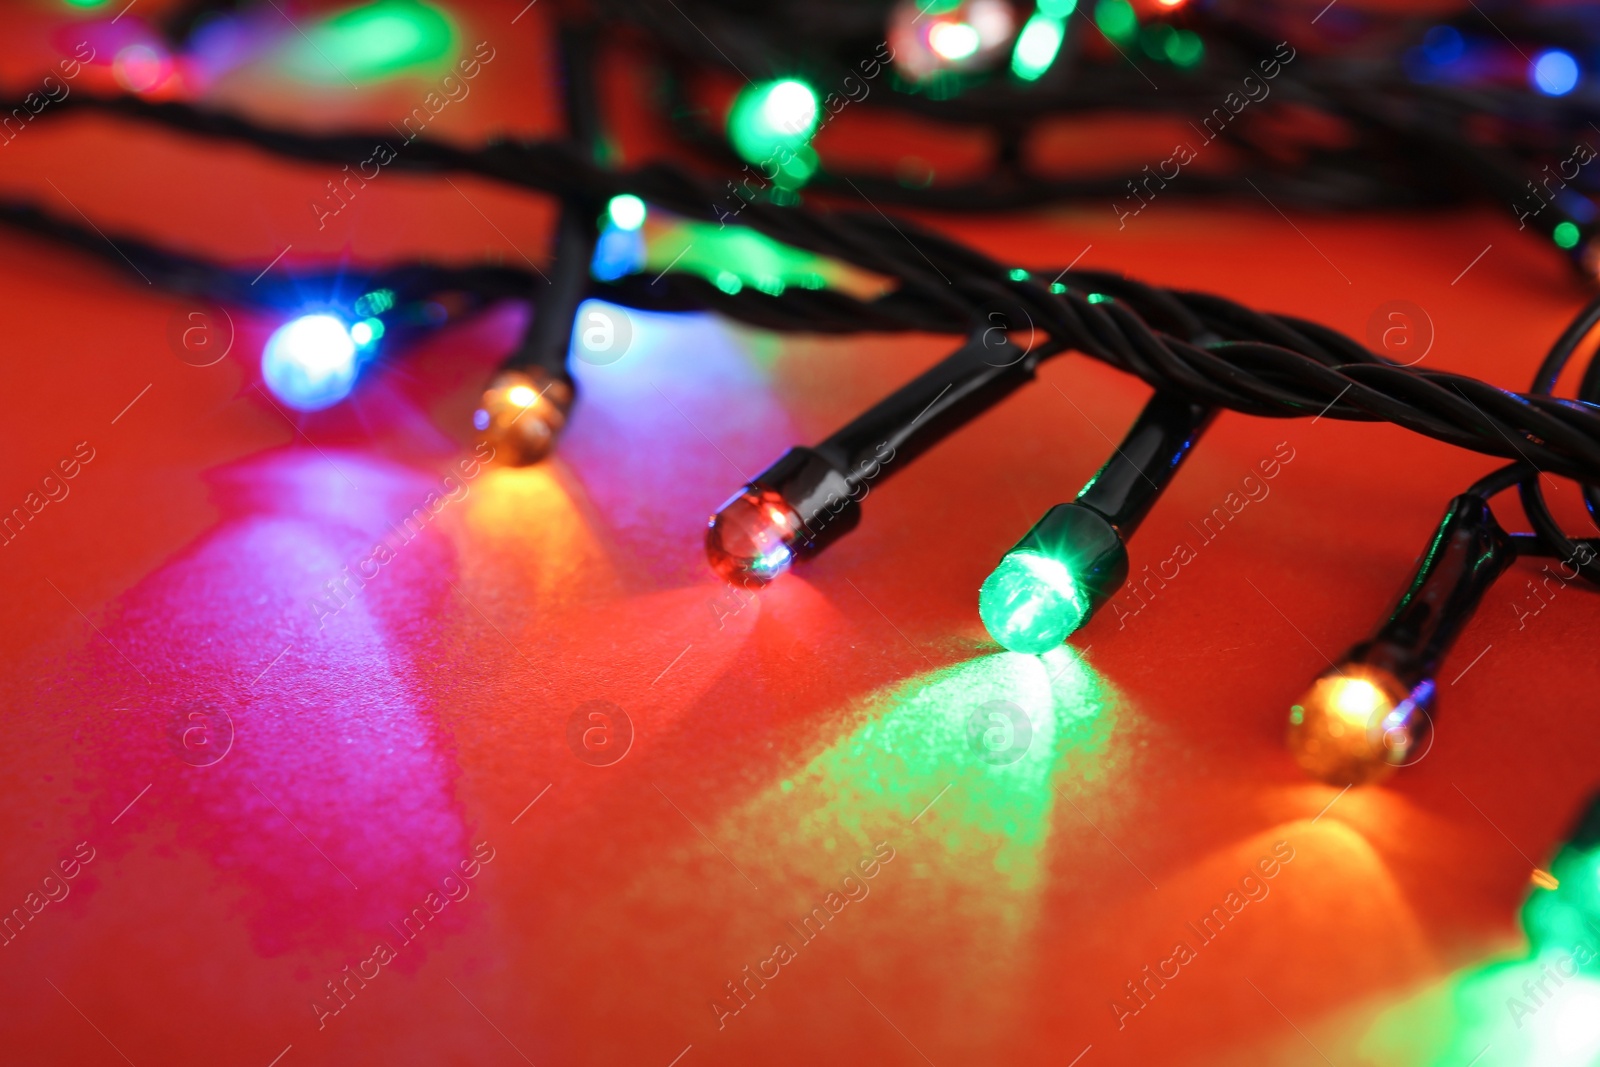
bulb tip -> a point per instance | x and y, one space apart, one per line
1357 724
521 415
751 539
1031 603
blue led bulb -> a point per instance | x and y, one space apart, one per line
310 362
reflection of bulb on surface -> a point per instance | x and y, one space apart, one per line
1357 724
1031 603
521 415
750 541
310 363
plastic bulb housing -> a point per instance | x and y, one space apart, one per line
816 493
521 415
1031 603
310 363
1358 723
751 539
1053 580
793 508
1373 712
1074 559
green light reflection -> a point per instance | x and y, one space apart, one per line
1540 1010
1498 1005
965 792
720 253
373 41
919 738
924 765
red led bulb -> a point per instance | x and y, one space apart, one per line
751 540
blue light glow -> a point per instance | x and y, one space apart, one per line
310 362
617 253
1443 44
1554 73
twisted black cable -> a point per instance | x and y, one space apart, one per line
1272 366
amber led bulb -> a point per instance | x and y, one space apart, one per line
521 415
1373 712
1357 724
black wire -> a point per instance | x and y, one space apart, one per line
1530 489
1265 365
1273 366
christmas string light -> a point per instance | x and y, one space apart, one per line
934 37
1398 111
1396 127
1373 711
310 362
770 125
1268 365
1075 558
524 409
1040 40
811 496
1264 365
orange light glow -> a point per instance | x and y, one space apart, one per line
1355 726
521 414
1544 879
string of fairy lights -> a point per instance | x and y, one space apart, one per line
1444 91
1374 109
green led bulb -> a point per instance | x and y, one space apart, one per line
1053 579
1031 603
375 41
626 212
1184 48
1567 910
1565 235
1117 20
771 125
1037 46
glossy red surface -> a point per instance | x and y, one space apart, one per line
431 733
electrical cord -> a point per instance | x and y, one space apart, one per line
1266 365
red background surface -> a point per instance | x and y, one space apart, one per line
772 751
